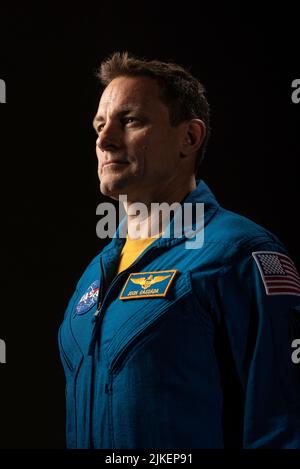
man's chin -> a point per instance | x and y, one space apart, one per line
114 187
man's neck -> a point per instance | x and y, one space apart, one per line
147 220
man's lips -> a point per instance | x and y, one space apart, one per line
112 162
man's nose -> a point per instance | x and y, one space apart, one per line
108 138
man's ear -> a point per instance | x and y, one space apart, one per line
193 137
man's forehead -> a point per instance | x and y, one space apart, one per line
127 92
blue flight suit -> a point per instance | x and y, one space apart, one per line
206 366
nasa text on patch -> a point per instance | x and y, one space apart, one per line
88 299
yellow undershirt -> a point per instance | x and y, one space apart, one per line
131 251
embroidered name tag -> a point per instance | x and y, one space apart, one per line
147 284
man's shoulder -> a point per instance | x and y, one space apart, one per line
231 228
230 236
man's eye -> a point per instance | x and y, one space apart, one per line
99 128
129 120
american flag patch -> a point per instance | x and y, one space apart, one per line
278 273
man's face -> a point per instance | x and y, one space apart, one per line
137 148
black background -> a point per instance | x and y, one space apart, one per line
247 60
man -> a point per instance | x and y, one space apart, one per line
165 346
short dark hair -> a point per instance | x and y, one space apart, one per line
181 92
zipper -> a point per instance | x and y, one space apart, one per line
107 388
99 303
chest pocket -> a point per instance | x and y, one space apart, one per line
142 316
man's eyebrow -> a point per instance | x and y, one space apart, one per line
123 110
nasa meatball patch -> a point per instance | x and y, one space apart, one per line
278 273
88 300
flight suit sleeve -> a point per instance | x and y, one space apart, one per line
257 298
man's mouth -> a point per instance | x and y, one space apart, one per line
114 163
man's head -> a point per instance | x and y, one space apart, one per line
152 125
